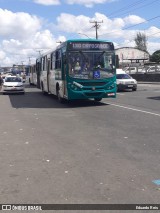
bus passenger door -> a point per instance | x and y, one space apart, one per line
48 75
64 75
38 70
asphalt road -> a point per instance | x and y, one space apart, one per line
82 152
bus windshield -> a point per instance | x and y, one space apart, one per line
91 65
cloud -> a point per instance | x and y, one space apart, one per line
108 28
23 35
2 55
133 19
88 3
70 23
153 32
47 2
19 51
153 46
18 25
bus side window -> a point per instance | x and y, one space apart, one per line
44 63
58 59
53 61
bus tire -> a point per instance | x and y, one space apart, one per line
98 99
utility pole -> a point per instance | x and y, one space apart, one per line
22 65
96 25
29 60
39 51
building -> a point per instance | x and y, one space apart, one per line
131 56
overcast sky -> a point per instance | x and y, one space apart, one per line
28 27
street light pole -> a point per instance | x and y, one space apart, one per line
84 35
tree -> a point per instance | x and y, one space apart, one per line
155 57
141 41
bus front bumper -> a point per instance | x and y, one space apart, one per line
89 94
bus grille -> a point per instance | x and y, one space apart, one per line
93 94
92 84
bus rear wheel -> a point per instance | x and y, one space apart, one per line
98 99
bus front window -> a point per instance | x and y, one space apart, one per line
91 65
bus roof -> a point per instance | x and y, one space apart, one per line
88 39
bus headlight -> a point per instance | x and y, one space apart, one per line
111 87
75 86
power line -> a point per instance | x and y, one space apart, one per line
119 11
124 8
133 25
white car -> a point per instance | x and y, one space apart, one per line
125 81
13 84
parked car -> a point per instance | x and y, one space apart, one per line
125 81
152 69
133 70
13 84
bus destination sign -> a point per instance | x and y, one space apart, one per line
91 46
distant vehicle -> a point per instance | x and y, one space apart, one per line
134 70
13 84
152 69
125 81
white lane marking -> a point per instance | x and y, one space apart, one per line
119 93
149 85
138 110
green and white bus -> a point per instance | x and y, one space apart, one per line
79 69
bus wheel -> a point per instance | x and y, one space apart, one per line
60 99
98 99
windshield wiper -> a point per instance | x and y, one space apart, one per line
101 55
86 59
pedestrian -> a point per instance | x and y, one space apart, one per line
1 81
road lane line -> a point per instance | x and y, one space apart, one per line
138 110
119 93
